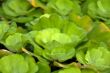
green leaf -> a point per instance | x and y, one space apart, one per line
70 70
57 51
45 35
52 34
33 67
87 71
12 29
61 38
80 55
48 21
43 67
73 29
16 63
3 29
103 8
76 33
97 9
43 23
15 42
7 11
98 57
23 19
55 72
16 8
56 21
63 7
13 64
92 9
62 4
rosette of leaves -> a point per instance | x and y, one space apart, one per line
95 56
15 42
98 9
11 37
57 46
17 63
58 22
63 7
55 36
18 10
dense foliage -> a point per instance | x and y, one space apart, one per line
54 36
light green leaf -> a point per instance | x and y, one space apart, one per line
43 67
59 52
15 42
63 7
87 71
16 8
70 70
3 29
13 64
48 21
98 57
45 35
33 67
76 33
80 55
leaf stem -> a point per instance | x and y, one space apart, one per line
32 54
